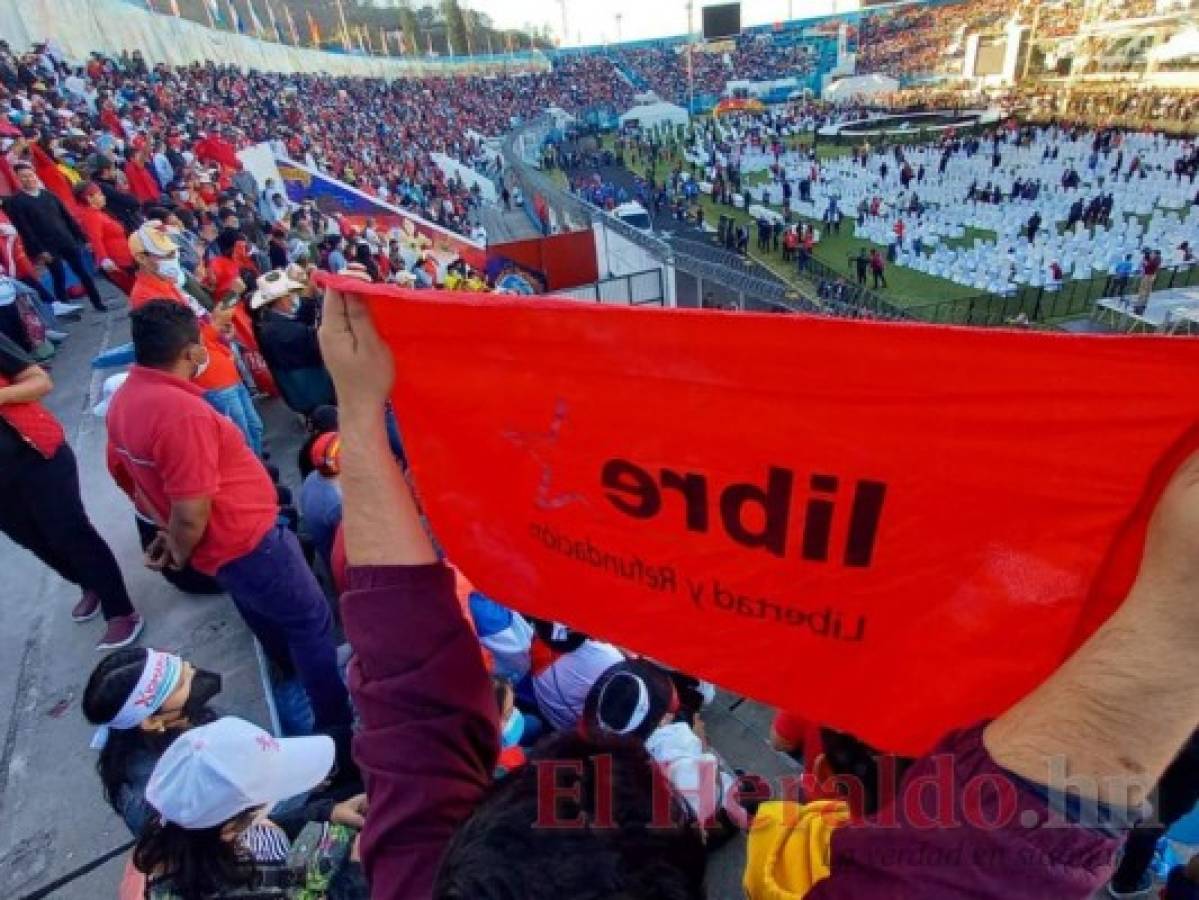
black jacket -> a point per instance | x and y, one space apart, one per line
287 343
44 223
121 204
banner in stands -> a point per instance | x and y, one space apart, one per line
890 529
418 235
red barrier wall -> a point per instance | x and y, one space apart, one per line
566 260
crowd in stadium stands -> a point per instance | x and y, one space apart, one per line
1125 105
920 39
466 728
664 68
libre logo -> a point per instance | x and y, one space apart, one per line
635 491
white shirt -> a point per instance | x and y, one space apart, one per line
562 688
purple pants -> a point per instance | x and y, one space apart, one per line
280 600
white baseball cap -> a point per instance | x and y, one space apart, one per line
215 772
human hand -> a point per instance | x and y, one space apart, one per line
45 258
158 556
351 812
357 358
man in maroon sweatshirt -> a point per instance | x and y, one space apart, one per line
1077 757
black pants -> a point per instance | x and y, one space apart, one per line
1177 794
74 259
43 512
879 278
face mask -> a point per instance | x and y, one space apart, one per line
205 686
171 270
514 729
203 367
7 230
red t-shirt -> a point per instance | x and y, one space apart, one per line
165 443
222 369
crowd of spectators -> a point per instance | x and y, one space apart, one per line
430 774
924 39
664 68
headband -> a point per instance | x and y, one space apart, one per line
158 681
640 710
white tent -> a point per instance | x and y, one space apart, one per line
1181 46
652 114
860 86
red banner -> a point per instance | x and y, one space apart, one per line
890 529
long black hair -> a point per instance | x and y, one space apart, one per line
197 862
109 686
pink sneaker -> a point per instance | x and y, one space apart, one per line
121 632
87 608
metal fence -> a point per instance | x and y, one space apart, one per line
1048 303
844 297
710 274
646 288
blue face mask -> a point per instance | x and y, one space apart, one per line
514 730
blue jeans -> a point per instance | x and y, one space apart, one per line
235 403
281 602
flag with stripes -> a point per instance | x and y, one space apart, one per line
235 18
255 22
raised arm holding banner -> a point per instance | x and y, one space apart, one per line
894 530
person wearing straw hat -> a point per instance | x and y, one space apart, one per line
284 326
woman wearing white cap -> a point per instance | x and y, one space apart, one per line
211 791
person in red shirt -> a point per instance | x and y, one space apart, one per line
158 276
42 509
187 467
223 273
142 184
106 236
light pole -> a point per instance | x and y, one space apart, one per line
690 61
618 18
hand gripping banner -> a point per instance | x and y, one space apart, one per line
890 529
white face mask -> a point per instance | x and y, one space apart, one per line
7 230
203 367
171 270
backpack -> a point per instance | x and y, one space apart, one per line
317 868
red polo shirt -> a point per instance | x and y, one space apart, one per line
165 443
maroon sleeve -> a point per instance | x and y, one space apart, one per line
429 738
964 827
